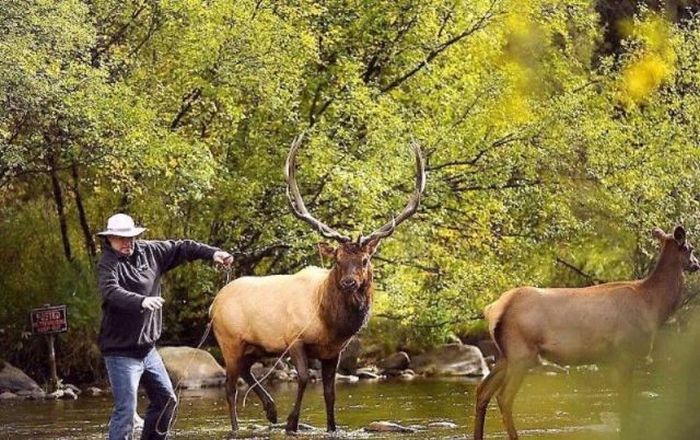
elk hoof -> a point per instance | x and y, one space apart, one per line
271 414
292 426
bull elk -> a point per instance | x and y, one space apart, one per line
614 322
310 314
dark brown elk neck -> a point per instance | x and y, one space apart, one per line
663 288
344 314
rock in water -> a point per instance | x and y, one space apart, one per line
451 360
13 379
342 378
367 374
442 425
191 367
93 392
388 427
397 361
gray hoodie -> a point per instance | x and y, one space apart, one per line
124 281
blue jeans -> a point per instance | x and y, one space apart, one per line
124 375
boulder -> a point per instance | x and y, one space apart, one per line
58 394
367 374
33 395
68 393
191 367
77 391
13 379
407 374
349 356
93 392
275 372
342 378
451 360
8 396
396 361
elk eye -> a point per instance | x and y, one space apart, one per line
365 261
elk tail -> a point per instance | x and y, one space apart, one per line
494 314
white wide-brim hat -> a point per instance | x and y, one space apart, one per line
121 225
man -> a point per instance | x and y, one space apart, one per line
129 274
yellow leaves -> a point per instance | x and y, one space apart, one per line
656 60
525 47
644 76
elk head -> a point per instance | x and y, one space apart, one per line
679 243
352 258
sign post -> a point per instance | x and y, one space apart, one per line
50 320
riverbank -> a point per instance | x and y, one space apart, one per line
191 368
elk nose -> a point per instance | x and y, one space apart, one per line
348 283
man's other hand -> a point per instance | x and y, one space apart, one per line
152 303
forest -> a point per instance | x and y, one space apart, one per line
557 135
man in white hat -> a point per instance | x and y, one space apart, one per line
129 275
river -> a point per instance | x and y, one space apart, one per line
576 405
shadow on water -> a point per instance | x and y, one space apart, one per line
575 406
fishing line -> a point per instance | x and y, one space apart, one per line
185 373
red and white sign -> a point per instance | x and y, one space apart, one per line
48 320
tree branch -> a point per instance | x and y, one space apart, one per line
430 269
478 25
579 271
186 105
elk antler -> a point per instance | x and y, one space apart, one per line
410 208
296 202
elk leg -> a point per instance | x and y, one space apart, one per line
513 379
328 369
265 398
300 361
622 374
232 372
486 389
232 352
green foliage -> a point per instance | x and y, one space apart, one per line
548 161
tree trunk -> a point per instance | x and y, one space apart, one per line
60 210
89 241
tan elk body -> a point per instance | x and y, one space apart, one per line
310 314
291 307
615 322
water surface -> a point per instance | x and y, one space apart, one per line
577 405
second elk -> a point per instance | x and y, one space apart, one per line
310 314
614 322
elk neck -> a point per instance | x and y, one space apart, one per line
663 288
344 314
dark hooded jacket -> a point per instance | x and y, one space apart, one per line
125 281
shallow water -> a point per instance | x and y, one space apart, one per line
569 406
579 404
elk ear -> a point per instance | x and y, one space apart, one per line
326 250
679 235
658 233
371 246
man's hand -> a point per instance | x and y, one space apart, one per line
223 258
152 303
